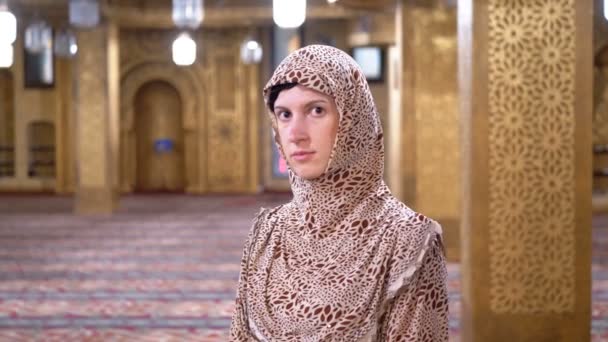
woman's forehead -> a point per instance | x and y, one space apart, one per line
300 95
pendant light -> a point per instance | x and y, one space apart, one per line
8 25
184 50
188 13
251 51
65 44
38 37
289 13
6 55
84 13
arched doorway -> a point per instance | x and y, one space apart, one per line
159 138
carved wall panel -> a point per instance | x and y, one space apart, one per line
224 77
141 46
531 233
227 126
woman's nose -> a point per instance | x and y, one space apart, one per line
298 130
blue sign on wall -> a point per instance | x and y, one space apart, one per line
163 145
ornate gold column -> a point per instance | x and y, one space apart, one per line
404 30
64 178
430 135
95 117
113 86
525 77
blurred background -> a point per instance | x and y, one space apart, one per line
135 150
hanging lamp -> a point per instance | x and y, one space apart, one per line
65 44
289 13
84 13
8 25
6 55
38 36
251 51
188 13
184 50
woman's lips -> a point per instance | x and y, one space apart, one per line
302 155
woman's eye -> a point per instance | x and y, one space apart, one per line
284 115
318 111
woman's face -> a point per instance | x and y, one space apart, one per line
307 123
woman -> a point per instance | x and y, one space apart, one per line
344 260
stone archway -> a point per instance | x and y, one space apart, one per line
189 90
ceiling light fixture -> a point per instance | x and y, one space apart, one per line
289 13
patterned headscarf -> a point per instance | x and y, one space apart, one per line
326 266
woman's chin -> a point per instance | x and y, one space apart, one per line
308 173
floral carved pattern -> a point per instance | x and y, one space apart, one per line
531 155
225 150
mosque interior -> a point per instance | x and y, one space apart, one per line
135 149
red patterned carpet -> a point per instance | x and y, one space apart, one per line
163 269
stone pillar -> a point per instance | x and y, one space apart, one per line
64 177
404 30
95 117
526 79
113 58
430 135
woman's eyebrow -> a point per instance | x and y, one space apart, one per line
307 104
317 100
280 108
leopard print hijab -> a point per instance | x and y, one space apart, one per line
326 266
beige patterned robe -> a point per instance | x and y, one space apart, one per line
344 260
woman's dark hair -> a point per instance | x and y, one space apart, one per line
274 91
